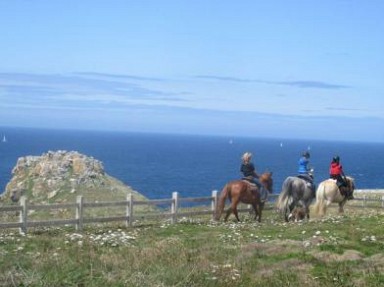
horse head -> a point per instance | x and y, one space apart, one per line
267 181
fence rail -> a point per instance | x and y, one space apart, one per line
80 206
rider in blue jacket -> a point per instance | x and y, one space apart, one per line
304 171
303 164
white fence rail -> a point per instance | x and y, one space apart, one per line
24 209
80 205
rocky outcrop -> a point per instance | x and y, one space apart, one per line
54 175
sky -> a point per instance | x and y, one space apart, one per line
300 69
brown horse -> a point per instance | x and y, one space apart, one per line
243 191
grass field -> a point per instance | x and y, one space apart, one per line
337 250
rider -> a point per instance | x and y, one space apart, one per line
336 172
304 171
248 170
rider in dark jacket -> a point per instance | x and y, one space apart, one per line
249 172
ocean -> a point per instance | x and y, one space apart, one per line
158 164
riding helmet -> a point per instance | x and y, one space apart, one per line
336 158
306 154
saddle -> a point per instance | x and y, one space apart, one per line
249 181
306 177
255 188
309 180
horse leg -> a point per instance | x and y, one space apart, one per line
228 213
341 206
260 207
256 208
236 214
234 208
288 211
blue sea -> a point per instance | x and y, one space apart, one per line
158 164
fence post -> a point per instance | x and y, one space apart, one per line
175 202
364 200
23 214
214 204
129 210
79 212
382 201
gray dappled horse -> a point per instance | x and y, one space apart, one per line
295 192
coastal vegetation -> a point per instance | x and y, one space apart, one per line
332 251
335 250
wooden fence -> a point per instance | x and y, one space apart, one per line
80 205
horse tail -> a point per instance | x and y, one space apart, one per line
285 198
319 205
224 194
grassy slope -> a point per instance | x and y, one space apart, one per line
335 251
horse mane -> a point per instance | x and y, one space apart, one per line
351 182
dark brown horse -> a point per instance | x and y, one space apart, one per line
243 191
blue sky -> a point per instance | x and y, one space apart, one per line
282 69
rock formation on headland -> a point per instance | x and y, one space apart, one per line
60 176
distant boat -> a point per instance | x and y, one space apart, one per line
4 139
230 141
281 144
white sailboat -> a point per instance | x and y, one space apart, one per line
4 139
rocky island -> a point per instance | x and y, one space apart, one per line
59 176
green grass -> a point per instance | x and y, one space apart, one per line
335 251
